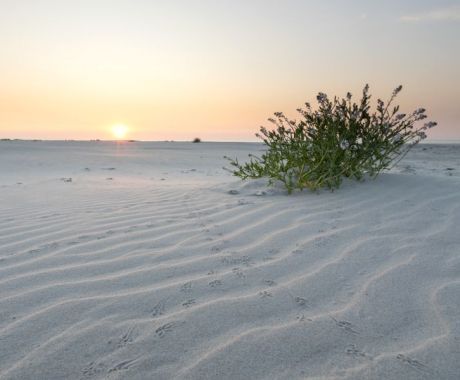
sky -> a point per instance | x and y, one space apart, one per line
216 69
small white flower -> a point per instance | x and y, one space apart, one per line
359 140
344 144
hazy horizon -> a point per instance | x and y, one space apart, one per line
175 70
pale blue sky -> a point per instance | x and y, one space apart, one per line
218 69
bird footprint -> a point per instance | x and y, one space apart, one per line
127 337
159 308
123 365
415 364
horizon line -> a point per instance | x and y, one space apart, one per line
427 141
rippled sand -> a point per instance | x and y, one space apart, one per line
148 261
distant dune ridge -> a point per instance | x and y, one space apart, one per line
149 261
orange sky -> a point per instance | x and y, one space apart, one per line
217 70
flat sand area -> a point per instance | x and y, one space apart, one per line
148 261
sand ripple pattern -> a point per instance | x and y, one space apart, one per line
196 283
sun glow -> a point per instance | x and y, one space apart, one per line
119 131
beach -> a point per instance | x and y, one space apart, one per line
148 260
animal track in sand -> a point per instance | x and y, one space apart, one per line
265 294
215 249
44 247
270 282
238 272
215 283
124 365
322 241
347 326
245 260
187 287
352 350
243 202
302 302
414 364
302 318
166 328
93 369
189 302
126 338
159 308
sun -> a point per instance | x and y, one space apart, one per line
119 131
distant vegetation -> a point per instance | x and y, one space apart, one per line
196 140
339 139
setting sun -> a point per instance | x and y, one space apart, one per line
119 131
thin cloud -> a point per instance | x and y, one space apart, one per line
442 14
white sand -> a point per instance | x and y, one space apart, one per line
160 273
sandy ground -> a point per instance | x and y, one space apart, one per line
148 261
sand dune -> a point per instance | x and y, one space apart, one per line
146 266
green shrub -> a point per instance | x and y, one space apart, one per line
339 139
